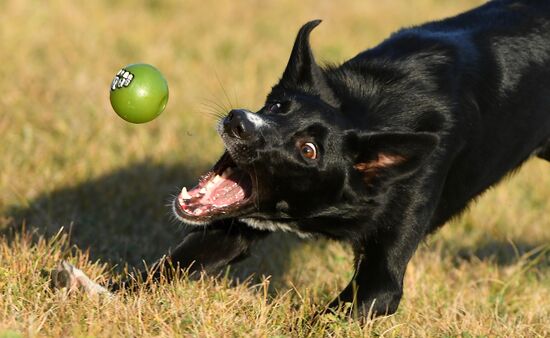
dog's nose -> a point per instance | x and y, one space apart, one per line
236 124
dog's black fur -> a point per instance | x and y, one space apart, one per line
406 134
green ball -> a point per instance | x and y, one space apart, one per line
139 93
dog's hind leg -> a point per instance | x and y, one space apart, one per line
544 151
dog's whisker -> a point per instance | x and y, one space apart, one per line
213 112
215 106
214 116
230 104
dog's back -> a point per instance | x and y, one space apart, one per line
497 60
508 114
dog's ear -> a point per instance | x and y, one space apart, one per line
302 72
390 155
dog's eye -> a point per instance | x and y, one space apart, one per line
309 150
273 107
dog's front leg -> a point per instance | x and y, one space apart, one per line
205 249
381 261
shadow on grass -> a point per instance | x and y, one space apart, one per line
123 218
506 253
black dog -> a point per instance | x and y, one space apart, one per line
381 150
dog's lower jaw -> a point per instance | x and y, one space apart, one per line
184 220
255 223
264 224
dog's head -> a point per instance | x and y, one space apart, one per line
300 157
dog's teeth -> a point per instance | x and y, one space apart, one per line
197 212
216 179
184 194
202 191
180 200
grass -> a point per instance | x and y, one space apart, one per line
68 162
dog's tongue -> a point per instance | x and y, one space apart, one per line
216 192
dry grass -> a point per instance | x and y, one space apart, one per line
68 161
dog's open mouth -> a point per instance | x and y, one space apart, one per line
223 190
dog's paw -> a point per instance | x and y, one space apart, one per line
66 276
